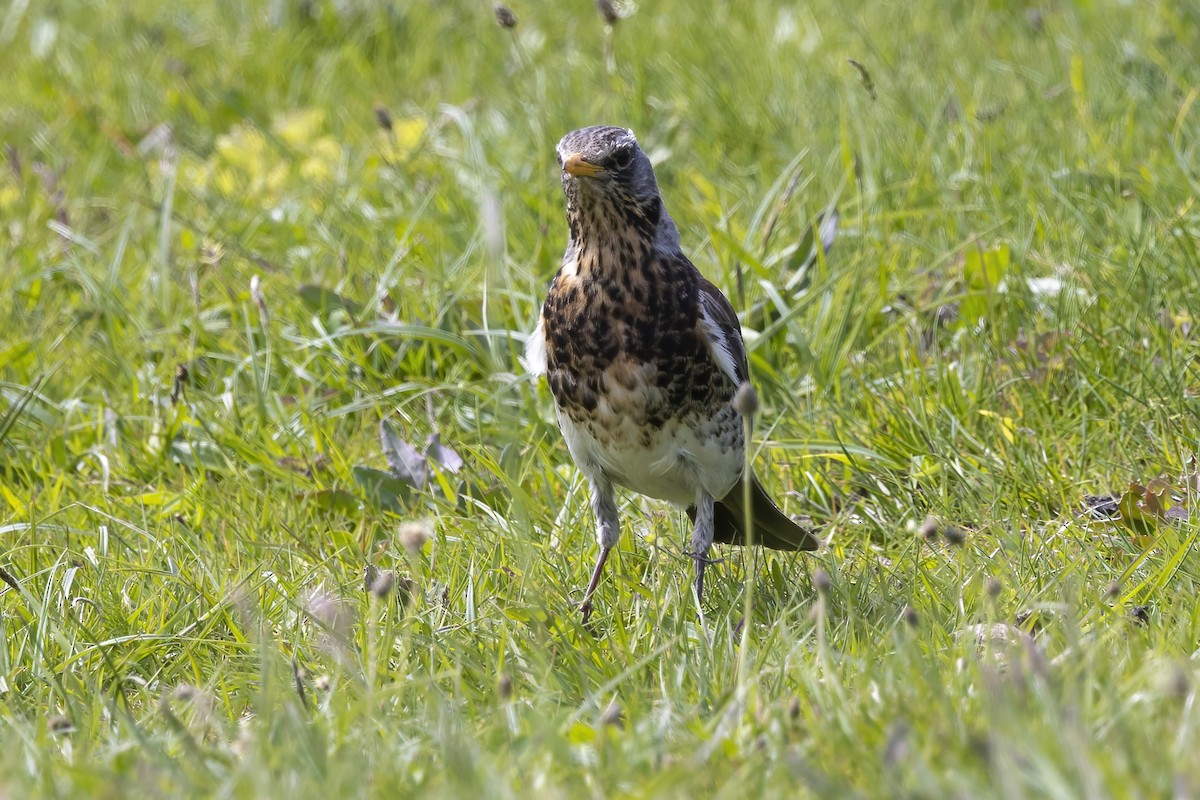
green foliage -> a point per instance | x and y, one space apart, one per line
238 237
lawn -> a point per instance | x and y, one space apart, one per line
283 515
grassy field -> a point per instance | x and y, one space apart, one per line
237 239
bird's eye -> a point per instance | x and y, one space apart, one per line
622 157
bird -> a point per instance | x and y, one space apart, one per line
643 357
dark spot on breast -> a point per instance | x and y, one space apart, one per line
587 398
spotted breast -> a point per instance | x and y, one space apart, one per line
637 391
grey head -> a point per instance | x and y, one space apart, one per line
610 189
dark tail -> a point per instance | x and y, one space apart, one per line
772 528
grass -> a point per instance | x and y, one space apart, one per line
1004 326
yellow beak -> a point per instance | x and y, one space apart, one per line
575 164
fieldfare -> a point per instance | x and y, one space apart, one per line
643 357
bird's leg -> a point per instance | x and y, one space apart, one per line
702 538
608 529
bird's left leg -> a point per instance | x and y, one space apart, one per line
702 538
608 530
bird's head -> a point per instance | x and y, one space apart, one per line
610 187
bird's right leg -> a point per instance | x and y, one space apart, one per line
702 538
608 529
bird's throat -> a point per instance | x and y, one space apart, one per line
610 257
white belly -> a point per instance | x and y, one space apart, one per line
674 462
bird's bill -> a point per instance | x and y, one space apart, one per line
578 166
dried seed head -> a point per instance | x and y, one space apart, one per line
181 379
383 117
864 77
613 715
745 401
185 692
504 686
505 17
331 613
821 580
910 616
414 534
608 10
929 528
992 587
383 584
